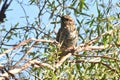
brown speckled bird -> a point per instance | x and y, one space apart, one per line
67 35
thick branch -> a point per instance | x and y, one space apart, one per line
27 41
24 66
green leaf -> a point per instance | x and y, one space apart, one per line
31 1
98 30
98 10
105 40
118 4
91 23
81 5
85 14
16 25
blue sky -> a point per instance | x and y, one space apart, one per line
15 14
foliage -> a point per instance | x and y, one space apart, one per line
97 55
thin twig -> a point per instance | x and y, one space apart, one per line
87 61
106 57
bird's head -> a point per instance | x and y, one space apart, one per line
66 20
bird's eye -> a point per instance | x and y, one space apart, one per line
67 19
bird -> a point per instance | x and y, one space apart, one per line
67 35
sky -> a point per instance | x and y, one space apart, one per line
15 14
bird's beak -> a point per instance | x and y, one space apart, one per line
59 16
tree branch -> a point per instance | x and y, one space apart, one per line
23 67
27 41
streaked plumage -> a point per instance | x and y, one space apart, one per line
67 35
